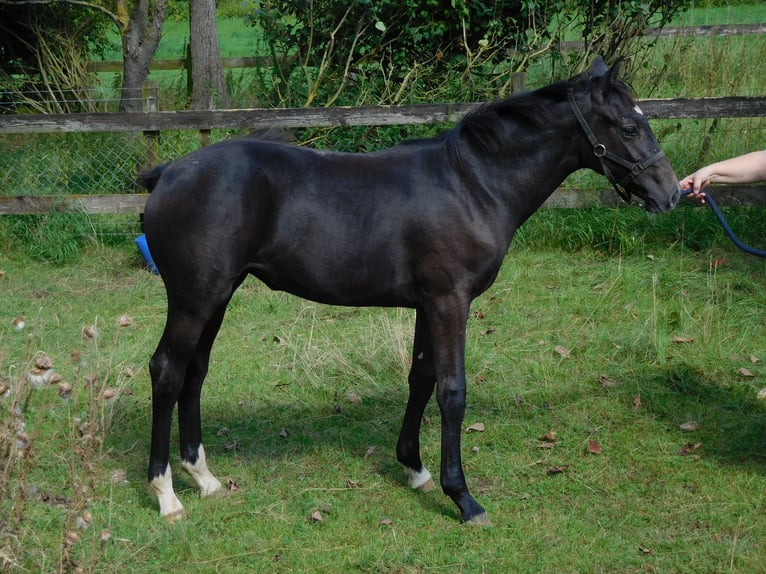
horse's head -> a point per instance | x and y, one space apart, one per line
624 148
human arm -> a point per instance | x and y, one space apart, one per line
746 168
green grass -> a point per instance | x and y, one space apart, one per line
333 378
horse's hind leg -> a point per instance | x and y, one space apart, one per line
193 458
422 379
176 361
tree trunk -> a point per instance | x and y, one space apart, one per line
140 38
208 85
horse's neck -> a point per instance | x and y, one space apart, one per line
534 167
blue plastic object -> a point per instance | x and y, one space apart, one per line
143 248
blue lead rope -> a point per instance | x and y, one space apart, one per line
726 227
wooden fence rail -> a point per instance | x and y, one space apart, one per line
152 123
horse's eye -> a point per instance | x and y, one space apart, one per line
630 131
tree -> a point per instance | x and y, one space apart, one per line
140 32
208 84
47 43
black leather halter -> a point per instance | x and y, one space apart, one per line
599 150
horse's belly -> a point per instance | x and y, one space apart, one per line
338 285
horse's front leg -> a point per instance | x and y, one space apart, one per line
422 379
447 321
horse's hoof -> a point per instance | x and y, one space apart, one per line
175 516
480 520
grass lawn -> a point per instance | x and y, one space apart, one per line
303 403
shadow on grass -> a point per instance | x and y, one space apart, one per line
287 427
732 421
273 433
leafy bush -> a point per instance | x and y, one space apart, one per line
332 42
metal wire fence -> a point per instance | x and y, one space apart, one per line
106 163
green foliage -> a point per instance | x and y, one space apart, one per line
335 40
57 237
44 50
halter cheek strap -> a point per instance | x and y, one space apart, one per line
599 150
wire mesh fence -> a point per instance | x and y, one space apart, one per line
108 162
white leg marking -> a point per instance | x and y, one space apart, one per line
418 479
170 506
202 477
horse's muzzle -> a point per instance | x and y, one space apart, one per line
665 204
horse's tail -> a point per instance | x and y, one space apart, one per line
149 177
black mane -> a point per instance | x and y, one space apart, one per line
484 128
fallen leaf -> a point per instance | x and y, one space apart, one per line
689 447
683 339
745 372
754 359
351 483
370 451
89 332
558 469
475 427
605 381
124 321
283 432
563 351
636 402
488 331
594 447
223 431
316 516
386 522
761 396
690 426
549 436
644 550
232 486
107 394
718 262
475 449
19 323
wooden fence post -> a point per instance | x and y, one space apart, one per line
150 103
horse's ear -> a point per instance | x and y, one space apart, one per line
598 68
610 75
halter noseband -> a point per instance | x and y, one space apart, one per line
599 150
